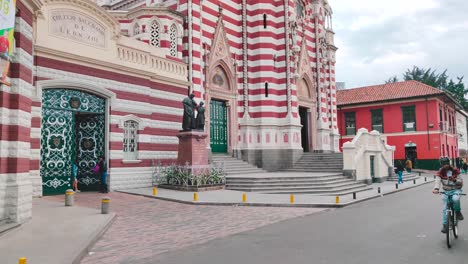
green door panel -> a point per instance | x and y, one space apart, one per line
218 126
57 144
89 146
73 130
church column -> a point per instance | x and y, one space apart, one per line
15 106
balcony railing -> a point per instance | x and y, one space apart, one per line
378 128
351 131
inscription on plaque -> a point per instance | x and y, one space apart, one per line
78 27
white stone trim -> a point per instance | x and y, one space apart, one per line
139 121
76 85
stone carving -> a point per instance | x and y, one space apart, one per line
188 122
78 27
200 121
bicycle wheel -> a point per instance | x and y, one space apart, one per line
455 226
447 228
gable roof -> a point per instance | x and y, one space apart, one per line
386 92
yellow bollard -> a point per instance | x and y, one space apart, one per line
195 197
155 191
244 197
22 261
337 200
291 198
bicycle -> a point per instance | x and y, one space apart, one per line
452 221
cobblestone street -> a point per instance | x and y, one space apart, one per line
145 227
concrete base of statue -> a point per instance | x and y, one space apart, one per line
192 148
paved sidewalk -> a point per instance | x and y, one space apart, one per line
145 227
229 197
55 235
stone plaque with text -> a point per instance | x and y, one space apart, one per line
78 27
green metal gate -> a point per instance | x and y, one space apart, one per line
89 147
73 130
372 168
218 126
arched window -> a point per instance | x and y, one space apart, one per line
130 142
155 37
299 8
173 40
136 29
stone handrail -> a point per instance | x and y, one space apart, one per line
148 58
357 154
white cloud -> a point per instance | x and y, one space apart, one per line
381 38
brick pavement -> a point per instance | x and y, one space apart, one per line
145 227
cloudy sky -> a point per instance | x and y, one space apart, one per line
381 38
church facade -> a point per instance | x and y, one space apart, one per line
265 69
107 78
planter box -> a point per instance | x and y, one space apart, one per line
202 188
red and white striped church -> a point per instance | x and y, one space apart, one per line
107 77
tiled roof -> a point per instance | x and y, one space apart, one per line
385 92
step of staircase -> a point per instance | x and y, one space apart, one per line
233 166
320 184
319 162
406 177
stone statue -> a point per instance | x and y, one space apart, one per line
201 117
188 122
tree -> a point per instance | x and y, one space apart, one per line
438 80
393 79
427 76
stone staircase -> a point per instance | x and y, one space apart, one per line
319 162
296 183
233 166
406 177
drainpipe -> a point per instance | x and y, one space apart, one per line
245 58
190 35
288 66
317 62
427 128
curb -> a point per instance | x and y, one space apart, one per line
285 205
100 230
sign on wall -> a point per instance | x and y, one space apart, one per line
7 41
78 27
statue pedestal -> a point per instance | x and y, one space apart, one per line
192 148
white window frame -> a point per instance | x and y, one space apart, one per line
173 49
155 40
134 158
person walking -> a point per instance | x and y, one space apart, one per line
75 175
399 169
409 165
103 173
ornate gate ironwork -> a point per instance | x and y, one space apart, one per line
218 126
73 129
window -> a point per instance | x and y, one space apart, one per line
299 8
264 21
350 121
173 40
136 29
155 36
377 120
266 89
130 143
409 118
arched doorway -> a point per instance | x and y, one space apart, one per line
72 131
219 112
307 106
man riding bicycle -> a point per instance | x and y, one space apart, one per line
447 176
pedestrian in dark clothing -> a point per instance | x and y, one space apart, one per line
400 169
103 173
